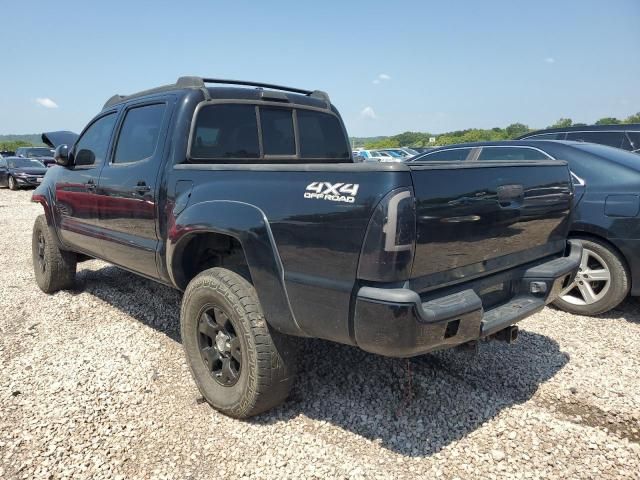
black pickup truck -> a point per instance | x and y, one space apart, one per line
246 197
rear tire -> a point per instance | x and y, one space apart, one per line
240 364
54 269
13 185
588 295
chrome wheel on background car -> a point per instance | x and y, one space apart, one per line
592 281
601 283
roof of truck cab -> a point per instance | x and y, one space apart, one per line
285 95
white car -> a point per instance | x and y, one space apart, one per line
377 156
405 152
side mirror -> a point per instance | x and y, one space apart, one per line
61 156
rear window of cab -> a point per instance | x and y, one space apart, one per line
249 133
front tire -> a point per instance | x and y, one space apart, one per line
54 269
601 284
240 364
13 185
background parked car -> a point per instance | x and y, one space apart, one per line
377 156
606 218
16 172
623 136
404 152
43 154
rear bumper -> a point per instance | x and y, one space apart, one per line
395 322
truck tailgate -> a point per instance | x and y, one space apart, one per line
475 218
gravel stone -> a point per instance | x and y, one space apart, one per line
94 385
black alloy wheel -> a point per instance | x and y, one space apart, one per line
220 347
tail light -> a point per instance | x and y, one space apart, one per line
390 241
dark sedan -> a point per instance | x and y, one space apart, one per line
17 172
606 217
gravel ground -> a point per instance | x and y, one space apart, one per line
94 385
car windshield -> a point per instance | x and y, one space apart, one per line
394 153
39 152
411 151
24 163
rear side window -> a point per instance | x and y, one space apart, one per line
612 139
139 133
634 139
511 154
277 131
231 131
226 132
321 136
452 155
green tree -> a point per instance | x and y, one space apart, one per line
633 118
562 123
13 145
516 129
608 121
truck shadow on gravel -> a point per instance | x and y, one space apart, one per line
414 407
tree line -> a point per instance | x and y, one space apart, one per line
421 139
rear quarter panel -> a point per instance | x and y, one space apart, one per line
318 241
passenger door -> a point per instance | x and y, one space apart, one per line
75 188
129 184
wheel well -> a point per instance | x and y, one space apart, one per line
598 238
207 250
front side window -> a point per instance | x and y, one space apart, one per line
139 133
451 155
511 154
92 146
612 139
226 131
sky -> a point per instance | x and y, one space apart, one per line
389 67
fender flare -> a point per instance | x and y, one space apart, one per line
42 195
247 224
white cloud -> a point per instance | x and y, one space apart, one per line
46 103
550 60
383 77
368 112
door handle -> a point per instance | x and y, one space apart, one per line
142 188
90 185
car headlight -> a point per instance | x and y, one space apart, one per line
21 174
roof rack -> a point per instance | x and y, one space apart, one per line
200 82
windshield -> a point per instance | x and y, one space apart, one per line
411 151
24 163
38 152
394 153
